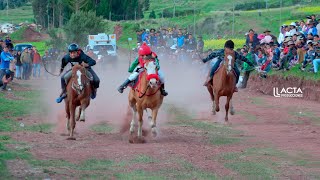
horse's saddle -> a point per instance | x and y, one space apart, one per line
133 84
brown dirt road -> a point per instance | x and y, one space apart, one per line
269 137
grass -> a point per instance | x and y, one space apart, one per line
296 72
216 134
306 114
143 159
101 128
254 163
248 116
41 46
18 15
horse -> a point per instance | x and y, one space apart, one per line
78 95
145 95
223 84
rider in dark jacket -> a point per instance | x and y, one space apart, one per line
220 54
76 55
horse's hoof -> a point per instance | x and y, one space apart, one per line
217 109
154 132
71 138
131 140
141 140
82 120
227 123
232 112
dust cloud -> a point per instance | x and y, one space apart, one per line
184 83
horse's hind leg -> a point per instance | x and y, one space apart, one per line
154 122
134 115
82 114
140 122
78 113
227 108
232 112
72 122
217 97
209 87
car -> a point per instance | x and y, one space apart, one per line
21 47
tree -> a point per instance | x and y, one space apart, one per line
146 5
82 24
152 15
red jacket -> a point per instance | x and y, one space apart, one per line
36 58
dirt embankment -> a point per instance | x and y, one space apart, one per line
309 88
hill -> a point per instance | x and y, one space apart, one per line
17 15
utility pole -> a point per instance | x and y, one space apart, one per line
280 12
135 14
110 16
174 8
7 8
194 19
233 21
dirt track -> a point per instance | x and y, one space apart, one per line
192 143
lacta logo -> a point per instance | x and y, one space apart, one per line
287 92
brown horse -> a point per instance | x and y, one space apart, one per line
146 95
78 95
223 83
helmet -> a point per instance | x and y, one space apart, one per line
73 47
229 44
144 50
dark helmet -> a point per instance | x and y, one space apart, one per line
73 47
229 44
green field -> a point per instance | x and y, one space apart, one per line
18 15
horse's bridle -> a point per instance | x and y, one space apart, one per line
77 87
143 94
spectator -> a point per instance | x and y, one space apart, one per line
36 60
5 73
18 65
200 44
26 63
252 38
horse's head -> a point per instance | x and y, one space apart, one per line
152 75
229 60
81 78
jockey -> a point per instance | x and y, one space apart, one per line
78 56
220 54
137 67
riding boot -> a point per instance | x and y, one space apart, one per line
63 95
163 91
94 93
123 86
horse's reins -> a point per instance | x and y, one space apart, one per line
45 68
145 92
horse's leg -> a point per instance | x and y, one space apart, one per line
231 107
72 122
154 122
78 112
210 89
149 116
83 111
227 108
67 119
134 115
140 121
217 97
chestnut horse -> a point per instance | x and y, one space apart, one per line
146 95
78 95
223 84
